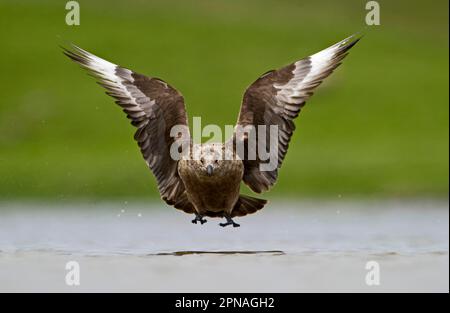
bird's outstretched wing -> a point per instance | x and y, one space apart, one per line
153 107
276 98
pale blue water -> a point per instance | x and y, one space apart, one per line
296 246
305 227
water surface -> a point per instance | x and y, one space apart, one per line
298 246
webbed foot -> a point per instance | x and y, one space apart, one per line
229 222
199 218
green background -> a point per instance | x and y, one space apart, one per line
378 127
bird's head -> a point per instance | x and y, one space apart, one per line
209 160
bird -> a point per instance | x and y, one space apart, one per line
207 185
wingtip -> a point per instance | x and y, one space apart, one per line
65 45
75 53
351 40
345 45
64 49
73 49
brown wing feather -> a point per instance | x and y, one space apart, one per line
276 98
153 107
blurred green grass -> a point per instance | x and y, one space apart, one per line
377 127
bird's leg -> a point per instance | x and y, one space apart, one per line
229 222
198 218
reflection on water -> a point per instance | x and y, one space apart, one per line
181 253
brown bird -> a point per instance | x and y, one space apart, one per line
208 185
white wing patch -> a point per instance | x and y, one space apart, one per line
107 73
323 59
308 73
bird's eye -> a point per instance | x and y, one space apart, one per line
202 160
216 161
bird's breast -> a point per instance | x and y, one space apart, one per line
216 192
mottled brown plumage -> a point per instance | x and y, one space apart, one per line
210 185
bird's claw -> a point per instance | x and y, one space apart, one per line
199 219
229 222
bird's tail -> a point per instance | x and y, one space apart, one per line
247 205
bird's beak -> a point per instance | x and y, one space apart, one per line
209 170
